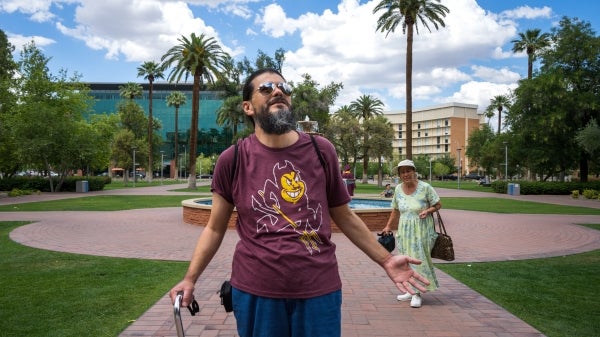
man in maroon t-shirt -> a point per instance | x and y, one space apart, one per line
286 190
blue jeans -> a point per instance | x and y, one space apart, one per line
268 317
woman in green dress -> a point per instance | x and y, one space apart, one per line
413 204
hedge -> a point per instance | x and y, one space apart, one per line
546 187
41 183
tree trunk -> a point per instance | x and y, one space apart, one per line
194 131
409 62
150 172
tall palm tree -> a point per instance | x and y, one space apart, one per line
408 13
230 114
130 90
176 99
498 103
202 58
366 107
150 70
531 42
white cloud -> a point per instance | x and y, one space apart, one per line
479 93
38 10
138 30
503 75
18 41
526 12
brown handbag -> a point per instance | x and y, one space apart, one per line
443 248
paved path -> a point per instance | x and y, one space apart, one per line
369 307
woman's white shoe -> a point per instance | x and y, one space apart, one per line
404 297
415 302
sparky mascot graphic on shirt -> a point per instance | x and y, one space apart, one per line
285 205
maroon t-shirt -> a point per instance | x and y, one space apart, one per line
282 197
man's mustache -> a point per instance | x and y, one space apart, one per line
277 100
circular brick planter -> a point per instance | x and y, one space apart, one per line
197 214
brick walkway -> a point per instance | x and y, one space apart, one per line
369 307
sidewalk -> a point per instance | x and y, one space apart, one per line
369 307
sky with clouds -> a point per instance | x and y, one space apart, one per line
468 61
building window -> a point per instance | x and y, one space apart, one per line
400 150
438 146
446 148
400 134
426 134
438 140
400 127
418 133
418 125
446 122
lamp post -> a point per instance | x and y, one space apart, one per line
162 164
134 165
430 170
505 160
459 168
185 162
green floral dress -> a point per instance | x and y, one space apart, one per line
415 237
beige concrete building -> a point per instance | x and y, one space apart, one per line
438 130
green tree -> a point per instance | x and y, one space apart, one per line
203 59
380 132
48 121
310 101
130 90
532 43
343 130
498 103
408 13
575 58
365 108
9 165
150 71
176 99
478 139
231 114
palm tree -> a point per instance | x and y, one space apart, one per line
230 114
497 103
407 13
202 58
366 107
531 42
130 90
150 70
176 99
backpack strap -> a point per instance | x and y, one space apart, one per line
323 162
234 163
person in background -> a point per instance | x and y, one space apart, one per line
388 192
349 179
413 204
285 279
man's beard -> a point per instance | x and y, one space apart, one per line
278 122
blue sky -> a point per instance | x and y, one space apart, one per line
468 61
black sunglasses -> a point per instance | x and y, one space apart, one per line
268 87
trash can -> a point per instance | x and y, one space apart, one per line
511 189
517 189
82 186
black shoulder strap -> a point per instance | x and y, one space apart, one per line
323 162
234 164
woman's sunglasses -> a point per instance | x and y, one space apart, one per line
268 87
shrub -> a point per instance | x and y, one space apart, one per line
575 194
590 194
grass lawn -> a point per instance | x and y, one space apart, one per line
49 294
558 296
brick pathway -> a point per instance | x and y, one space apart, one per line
369 307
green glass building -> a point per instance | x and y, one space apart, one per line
212 138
